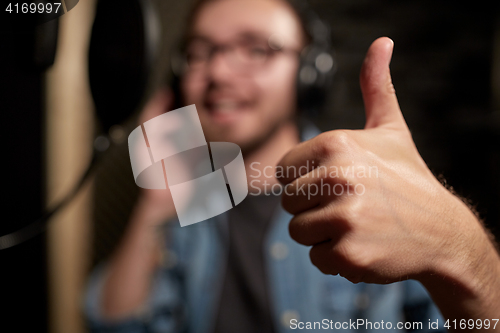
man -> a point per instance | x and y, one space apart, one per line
241 271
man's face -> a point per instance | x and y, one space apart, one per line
241 100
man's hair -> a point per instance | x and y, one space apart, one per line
293 5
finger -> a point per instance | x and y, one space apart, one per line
300 196
320 255
310 154
305 192
328 258
317 226
296 163
313 189
379 96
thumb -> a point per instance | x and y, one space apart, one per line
379 96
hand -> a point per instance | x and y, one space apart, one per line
155 206
393 221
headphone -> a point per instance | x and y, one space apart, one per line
317 63
316 70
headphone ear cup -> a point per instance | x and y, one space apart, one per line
314 79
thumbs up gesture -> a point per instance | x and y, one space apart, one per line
370 207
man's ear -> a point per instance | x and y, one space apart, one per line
162 101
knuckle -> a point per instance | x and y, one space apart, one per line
361 261
351 212
354 257
342 140
331 142
343 251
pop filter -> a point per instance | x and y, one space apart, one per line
124 40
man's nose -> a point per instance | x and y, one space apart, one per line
219 68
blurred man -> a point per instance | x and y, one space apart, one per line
241 271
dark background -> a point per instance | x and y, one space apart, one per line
23 276
442 68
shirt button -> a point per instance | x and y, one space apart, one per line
279 251
287 316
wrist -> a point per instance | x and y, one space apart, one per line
464 279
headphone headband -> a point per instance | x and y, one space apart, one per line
315 27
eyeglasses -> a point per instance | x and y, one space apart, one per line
244 55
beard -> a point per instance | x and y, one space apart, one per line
253 141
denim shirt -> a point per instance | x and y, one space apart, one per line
186 289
